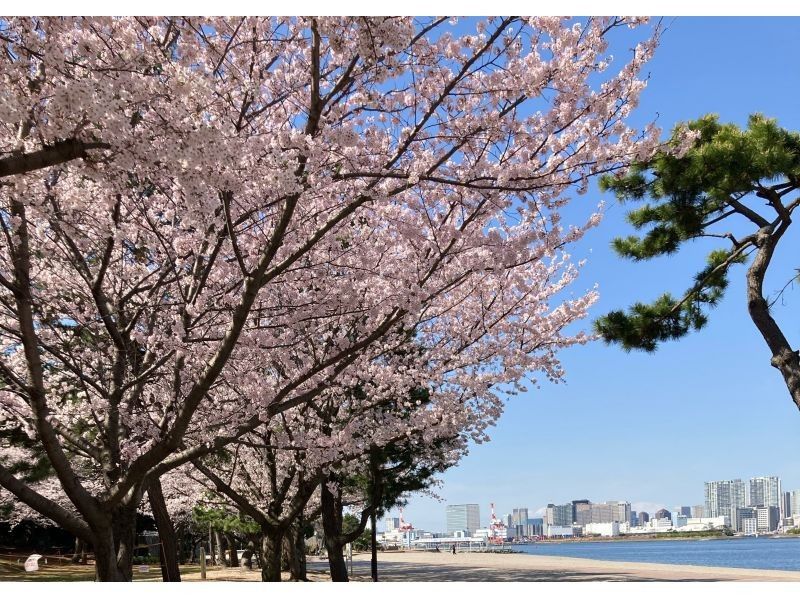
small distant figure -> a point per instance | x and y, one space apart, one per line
454 548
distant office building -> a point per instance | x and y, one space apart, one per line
764 491
643 517
519 521
795 503
768 518
786 505
634 519
536 527
663 514
559 531
724 497
558 515
743 514
685 511
679 519
581 512
391 523
465 518
698 512
613 511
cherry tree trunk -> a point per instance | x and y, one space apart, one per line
113 547
295 547
373 520
168 551
331 510
271 555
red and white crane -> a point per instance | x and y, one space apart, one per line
404 527
498 532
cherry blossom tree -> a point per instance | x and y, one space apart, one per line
235 217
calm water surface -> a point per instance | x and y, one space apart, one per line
748 553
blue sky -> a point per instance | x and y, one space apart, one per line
652 428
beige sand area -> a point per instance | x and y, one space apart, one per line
444 566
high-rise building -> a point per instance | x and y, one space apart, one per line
634 519
536 527
698 511
795 500
558 515
662 514
768 518
644 517
743 515
609 512
786 504
764 491
581 512
724 497
685 511
466 518
519 520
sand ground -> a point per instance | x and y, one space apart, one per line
428 566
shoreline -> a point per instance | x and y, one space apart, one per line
430 566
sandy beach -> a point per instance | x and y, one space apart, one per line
429 566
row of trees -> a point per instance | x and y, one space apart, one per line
284 265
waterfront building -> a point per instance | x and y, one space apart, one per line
643 517
610 529
464 518
764 491
795 503
391 523
741 515
749 526
698 511
679 519
535 527
663 514
519 521
558 515
724 497
612 511
685 511
768 518
634 519
786 505
581 512
560 531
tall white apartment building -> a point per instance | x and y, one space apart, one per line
724 497
764 491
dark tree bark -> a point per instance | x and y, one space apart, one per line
271 555
335 538
233 556
295 544
168 551
373 520
784 358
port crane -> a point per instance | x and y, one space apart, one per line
498 532
404 527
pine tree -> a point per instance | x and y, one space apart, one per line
711 179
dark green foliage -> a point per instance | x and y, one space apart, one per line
726 172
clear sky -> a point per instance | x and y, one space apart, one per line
651 429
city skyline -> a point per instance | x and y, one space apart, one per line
654 428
